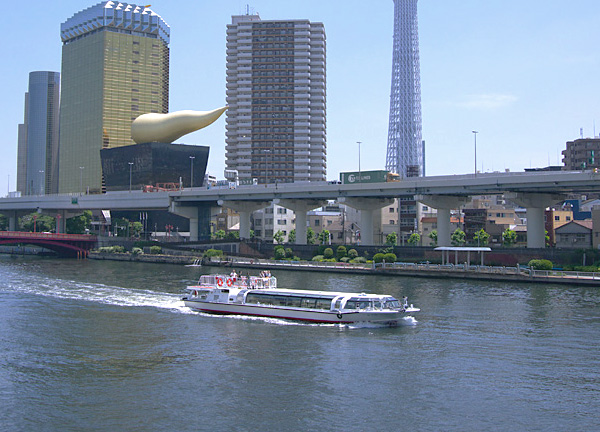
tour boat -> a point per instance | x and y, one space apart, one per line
259 296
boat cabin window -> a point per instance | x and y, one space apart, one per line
392 304
308 303
289 301
323 303
358 303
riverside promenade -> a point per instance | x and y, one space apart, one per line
424 270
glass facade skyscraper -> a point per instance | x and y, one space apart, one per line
37 154
115 67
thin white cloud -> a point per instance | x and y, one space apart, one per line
487 101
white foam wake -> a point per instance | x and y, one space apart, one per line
104 294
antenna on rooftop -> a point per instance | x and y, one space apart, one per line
581 132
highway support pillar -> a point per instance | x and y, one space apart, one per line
535 204
245 209
443 204
367 207
12 220
300 207
191 213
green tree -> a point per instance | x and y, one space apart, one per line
458 237
481 238
389 257
3 222
279 237
310 236
120 226
135 229
509 237
352 254
324 237
341 252
220 234
391 239
79 224
378 257
209 253
414 239
434 238
37 222
540 264
328 253
279 253
155 250
292 236
233 235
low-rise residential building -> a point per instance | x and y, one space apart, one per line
555 218
574 235
268 221
429 224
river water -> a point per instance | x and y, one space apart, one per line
109 346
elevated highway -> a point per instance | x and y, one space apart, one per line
533 190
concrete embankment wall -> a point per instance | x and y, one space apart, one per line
161 259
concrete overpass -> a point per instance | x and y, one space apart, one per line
533 190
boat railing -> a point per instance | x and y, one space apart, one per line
238 281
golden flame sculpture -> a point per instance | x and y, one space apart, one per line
169 127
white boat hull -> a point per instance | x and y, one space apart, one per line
315 316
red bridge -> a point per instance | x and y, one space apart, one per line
70 245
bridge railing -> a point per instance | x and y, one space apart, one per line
49 236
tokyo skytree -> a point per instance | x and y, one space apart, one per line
405 147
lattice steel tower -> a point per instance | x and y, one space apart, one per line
405 147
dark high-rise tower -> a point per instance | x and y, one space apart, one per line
405 147
37 159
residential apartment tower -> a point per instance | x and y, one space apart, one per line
276 83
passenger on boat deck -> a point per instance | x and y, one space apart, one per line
233 274
405 301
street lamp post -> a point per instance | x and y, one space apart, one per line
192 171
130 166
359 173
81 180
475 135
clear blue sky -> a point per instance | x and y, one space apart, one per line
522 73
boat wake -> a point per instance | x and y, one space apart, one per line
104 294
404 322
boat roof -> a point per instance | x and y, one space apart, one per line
331 294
